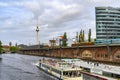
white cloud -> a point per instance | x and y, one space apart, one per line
18 18
2 4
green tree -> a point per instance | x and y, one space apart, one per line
89 36
80 36
77 37
1 47
14 49
64 40
83 36
94 39
16 45
10 44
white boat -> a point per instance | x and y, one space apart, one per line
97 70
60 69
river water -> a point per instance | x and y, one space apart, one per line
21 67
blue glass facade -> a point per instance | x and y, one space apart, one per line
107 25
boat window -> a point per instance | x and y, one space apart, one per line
55 70
72 73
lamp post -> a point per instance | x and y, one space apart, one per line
61 72
107 43
60 47
60 58
107 34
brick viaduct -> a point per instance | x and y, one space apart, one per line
109 53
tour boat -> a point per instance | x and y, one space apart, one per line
97 70
60 69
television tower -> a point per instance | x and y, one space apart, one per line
37 30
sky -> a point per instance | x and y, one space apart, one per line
18 19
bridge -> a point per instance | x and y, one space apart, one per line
103 53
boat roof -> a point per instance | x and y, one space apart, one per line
98 76
71 69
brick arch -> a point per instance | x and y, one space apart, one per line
114 51
116 55
87 54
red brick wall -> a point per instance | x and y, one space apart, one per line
101 53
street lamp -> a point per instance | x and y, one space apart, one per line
61 72
106 34
60 45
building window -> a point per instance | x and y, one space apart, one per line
106 56
86 53
117 56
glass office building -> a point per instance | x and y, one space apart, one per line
107 25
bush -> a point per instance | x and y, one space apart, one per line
14 49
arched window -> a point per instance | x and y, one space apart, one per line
117 55
87 53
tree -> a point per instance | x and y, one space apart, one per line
83 36
10 44
80 36
13 49
89 36
0 47
16 45
64 40
77 37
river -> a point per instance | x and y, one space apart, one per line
21 67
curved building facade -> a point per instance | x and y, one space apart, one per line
107 25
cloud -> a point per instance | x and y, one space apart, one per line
63 15
18 18
35 7
2 4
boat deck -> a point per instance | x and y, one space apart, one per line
99 66
97 69
55 67
69 71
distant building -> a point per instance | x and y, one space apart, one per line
22 46
107 25
6 48
52 43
